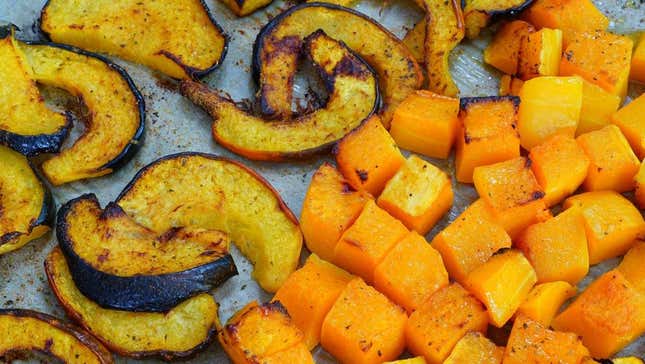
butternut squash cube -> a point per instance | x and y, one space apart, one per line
540 54
632 266
550 105
309 293
415 360
475 348
531 342
599 57
436 326
613 162
488 133
557 248
363 326
597 107
511 189
470 240
608 315
368 157
364 245
411 272
544 301
503 51
627 360
631 121
510 85
331 205
502 284
637 71
560 166
640 186
612 223
426 123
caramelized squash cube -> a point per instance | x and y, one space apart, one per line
598 106
612 223
631 121
364 245
411 272
540 54
503 52
639 194
544 301
637 71
608 315
613 162
368 157
331 205
426 123
309 293
434 329
510 85
632 266
488 133
550 105
363 326
560 166
475 348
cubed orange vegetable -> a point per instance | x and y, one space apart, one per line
632 266
487 135
511 189
364 245
503 51
627 360
557 248
540 54
550 105
331 205
608 315
544 301
631 121
560 166
510 85
533 343
419 194
470 240
475 348
502 284
415 360
411 272
613 162
637 71
436 326
597 107
639 194
263 333
368 157
309 293
601 58
612 223
363 326
426 123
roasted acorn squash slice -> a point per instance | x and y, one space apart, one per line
353 96
26 206
26 124
115 126
120 264
478 13
204 191
178 38
182 332
278 46
26 330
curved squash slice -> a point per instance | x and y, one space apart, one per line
26 124
26 330
278 46
478 13
26 207
178 38
179 333
353 98
205 191
115 127
122 265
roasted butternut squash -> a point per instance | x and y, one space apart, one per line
637 71
639 194
631 122
598 106
363 326
540 54
632 266
510 85
415 360
544 301
627 360
426 123
488 133
504 50
475 348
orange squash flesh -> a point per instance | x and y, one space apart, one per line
504 50
540 54
544 301
639 194
632 266
598 106
475 348
637 71
631 121
415 360
510 85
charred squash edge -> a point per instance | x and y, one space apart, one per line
500 13
465 102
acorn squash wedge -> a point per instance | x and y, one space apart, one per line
26 206
353 98
26 330
205 191
178 38
179 333
479 13
114 129
120 264
279 44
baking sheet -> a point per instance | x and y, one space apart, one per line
174 124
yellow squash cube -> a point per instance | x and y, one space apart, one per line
632 266
640 186
598 106
544 301
637 72
631 121
475 348
540 54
